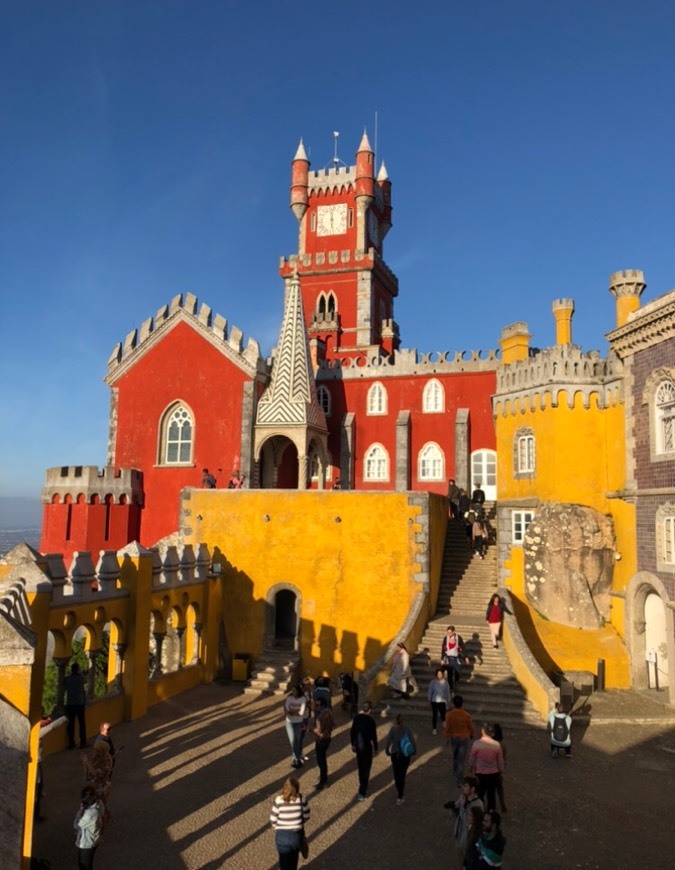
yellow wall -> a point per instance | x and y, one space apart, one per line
353 557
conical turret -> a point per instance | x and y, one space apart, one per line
300 182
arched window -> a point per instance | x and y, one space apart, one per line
524 453
321 305
323 396
665 537
433 397
665 417
377 399
331 306
431 463
176 436
376 463
669 540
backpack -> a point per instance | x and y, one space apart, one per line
405 745
560 729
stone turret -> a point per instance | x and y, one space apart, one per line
300 182
515 342
563 309
626 287
365 188
384 183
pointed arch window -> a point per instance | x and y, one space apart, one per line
323 395
376 463
433 397
377 399
331 305
177 436
431 462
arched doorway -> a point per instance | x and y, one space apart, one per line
285 619
278 464
649 629
484 472
656 640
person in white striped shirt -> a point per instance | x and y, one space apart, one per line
290 811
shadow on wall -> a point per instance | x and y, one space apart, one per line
522 613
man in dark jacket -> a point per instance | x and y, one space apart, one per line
75 701
364 744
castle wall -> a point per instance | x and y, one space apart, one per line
356 560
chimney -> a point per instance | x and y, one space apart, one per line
563 309
515 342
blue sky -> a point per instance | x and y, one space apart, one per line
146 151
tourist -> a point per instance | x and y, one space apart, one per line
499 737
363 735
461 807
451 656
237 480
438 695
323 730
453 498
75 701
474 830
104 736
494 616
98 771
295 707
400 747
487 763
459 732
88 824
463 504
208 480
560 726
479 536
289 813
491 843
478 498
400 671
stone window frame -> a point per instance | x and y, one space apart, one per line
376 403
433 397
524 435
518 519
657 379
430 446
665 537
324 397
165 422
376 453
313 466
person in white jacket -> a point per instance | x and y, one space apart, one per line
88 825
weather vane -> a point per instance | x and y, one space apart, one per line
336 160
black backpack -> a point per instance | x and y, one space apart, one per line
560 729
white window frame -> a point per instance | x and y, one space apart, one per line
182 412
664 415
376 464
669 540
527 455
520 520
376 404
433 397
431 463
324 397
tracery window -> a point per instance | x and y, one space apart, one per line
431 463
376 463
433 397
665 417
177 436
323 396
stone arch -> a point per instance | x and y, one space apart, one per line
641 587
283 610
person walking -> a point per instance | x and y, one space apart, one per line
295 706
459 732
400 747
491 843
290 811
560 726
468 799
478 497
487 763
88 825
438 695
451 656
323 730
499 737
479 536
75 700
494 616
363 736
400 671
453 498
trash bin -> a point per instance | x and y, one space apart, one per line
241 666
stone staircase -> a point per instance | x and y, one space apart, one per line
489 689
274 673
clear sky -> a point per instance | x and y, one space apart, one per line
145 151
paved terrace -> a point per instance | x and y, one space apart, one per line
194 784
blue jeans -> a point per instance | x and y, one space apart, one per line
294 732
459 747
288 847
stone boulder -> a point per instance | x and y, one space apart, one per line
569 561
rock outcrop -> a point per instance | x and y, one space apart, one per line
569 560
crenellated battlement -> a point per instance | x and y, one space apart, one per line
121 484
331 179
408 362
347 257
213 326
558 369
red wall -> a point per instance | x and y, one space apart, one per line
184 367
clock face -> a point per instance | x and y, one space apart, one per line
373 229
331 220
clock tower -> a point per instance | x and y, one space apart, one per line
344 214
